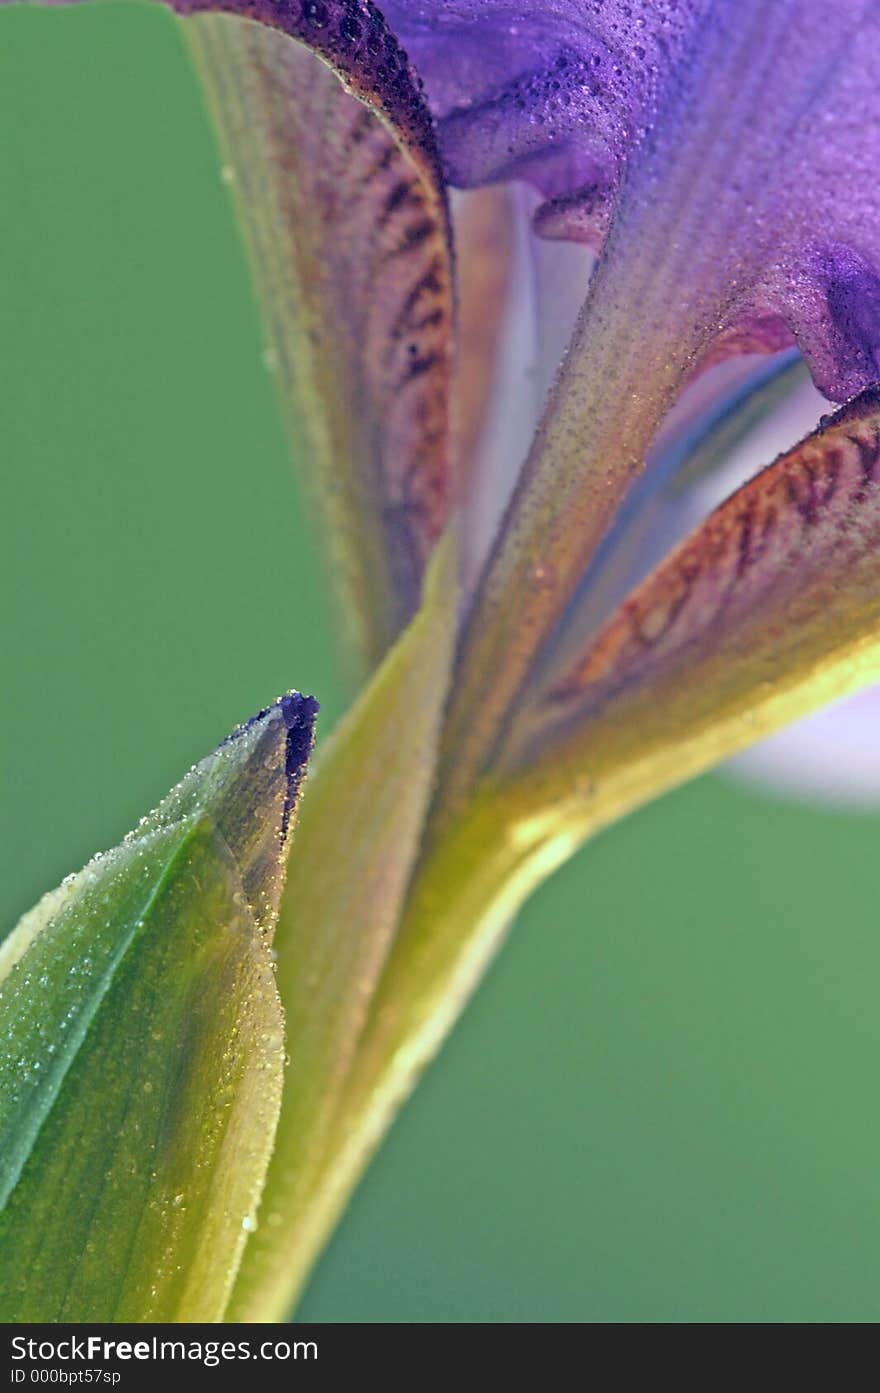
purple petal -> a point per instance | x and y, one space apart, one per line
553 93
773 107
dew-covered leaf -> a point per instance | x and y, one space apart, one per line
141 1049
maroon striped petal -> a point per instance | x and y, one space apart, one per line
770 608
331 149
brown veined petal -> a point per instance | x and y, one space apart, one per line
768 610
331 147
340 195
711 424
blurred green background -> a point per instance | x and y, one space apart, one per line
662 1105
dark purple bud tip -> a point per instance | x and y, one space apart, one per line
299 714
249 787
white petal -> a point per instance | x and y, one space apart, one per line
549 284
832 757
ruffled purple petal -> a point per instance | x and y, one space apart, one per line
771 106
554 93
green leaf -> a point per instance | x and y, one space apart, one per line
141 1050
348 875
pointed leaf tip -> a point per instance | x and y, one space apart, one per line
298 714
142 1046
250 786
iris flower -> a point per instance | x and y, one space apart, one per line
529 271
